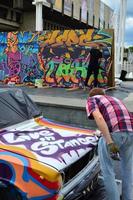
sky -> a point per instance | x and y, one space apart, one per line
114 4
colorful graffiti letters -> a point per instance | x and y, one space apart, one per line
57 57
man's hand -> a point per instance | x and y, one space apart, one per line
114 151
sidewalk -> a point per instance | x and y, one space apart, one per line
77 98
128 86
68 106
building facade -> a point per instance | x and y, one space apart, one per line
20 15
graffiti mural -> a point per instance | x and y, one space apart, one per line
57 57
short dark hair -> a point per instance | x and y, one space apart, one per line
96 91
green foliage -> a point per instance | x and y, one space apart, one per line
131 49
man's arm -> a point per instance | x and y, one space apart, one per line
112 147
102 125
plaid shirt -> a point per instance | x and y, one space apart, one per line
114 112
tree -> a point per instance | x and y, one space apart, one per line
131 48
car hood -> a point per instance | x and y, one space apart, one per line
48 142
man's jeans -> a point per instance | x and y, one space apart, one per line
125 142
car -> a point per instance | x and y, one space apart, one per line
41 158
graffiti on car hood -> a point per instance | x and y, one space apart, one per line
51 143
